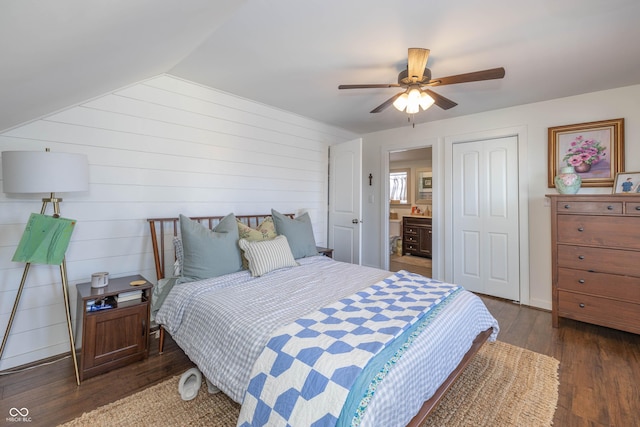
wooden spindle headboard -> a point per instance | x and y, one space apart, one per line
167 228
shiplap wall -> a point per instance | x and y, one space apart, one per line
156 149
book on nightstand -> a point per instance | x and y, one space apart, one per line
130 296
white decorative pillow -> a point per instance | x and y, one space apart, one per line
267 255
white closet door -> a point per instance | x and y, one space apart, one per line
485 217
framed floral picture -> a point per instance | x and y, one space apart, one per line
594 149
627 183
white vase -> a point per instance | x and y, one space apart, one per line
568 181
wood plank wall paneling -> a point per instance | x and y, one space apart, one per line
156 148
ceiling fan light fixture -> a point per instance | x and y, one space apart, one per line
426 100
413 108
401 102
414 96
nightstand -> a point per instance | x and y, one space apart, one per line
113 337
325 251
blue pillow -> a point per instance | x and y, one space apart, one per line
209 253
299 233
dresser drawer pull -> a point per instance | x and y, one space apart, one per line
638 208
581 281
610 207
581 305
567 207
580 256
581 229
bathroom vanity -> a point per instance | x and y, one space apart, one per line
416 236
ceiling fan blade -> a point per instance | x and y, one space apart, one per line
417 62
441 101
386 103
491 74
367 86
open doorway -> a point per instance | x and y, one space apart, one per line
410 211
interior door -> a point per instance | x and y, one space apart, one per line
345 202
485 217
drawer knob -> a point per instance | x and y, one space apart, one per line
581 305
610 207
581 281
567 206
580 256
638 208
581 229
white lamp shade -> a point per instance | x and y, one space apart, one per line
426 101
44 172
401 102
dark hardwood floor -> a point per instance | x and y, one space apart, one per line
599 373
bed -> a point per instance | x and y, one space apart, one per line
228 325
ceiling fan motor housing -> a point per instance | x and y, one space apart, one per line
405 80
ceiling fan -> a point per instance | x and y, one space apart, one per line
415 96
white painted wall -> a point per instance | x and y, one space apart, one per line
534 119
156 149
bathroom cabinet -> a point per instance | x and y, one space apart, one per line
416 236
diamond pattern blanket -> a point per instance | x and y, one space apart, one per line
306 371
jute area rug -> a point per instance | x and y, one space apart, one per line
503 385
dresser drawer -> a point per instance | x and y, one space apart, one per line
600 311
603 208
621 232
625 288
632 208
599 260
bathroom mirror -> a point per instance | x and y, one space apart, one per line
424 186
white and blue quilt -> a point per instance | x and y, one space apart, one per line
324 368
223 324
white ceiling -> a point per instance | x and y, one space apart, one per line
293 54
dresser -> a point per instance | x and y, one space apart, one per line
596 259
416 236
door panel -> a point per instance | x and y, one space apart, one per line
485 217
345 170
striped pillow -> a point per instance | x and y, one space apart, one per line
267 255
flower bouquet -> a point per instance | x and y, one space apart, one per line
583 153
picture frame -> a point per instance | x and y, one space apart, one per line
425 183
595 149
627 183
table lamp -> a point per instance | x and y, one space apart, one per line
45 238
